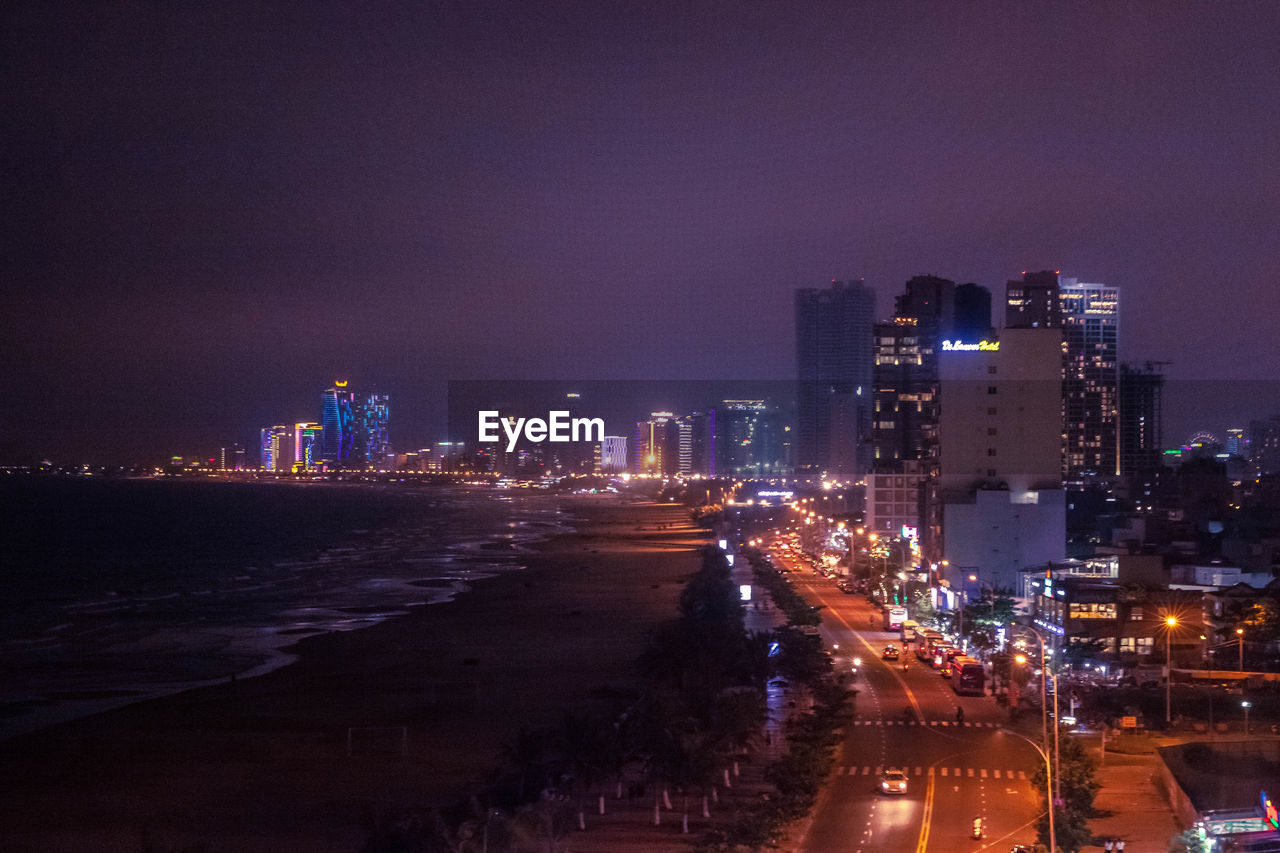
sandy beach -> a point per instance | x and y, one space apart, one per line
262 764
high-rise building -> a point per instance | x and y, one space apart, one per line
1237 444
834 368
748 439
338 421
306 446
1264 445
1141 413
374 439
276 448
1089 315
1091 379
1000 456
657 445
1032 303
904 418
972 312
613 454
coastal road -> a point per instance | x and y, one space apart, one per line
957 770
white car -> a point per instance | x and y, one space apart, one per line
893 781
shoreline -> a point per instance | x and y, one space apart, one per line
261 764
252 649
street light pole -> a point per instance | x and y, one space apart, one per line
1170 622
1048 781
1246 706
1240 644
1044 733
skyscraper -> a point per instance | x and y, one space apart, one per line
905 375
1091 379
375 438
834 369
613 454
338 422
306 446
1089 315
1141 393
276 448
972 312
657 445
1032 303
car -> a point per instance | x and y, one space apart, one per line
893 781
890 652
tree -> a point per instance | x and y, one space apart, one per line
1076 788
578 743
1070 828
1188 842
1261 620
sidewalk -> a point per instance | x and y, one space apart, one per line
1137 811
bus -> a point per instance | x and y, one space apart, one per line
924 643
967 676
894 617
909 628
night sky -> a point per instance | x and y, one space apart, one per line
213 209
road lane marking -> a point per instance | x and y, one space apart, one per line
926 818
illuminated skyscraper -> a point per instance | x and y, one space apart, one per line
1091 380
338 421
834 366
306 446
613 454
275 448
374 441
657 445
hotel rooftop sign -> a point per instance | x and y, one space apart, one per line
980 346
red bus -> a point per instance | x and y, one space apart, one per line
967 676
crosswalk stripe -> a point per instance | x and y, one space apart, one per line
1022 774
996 773
970 772
984 773
930 771
957 771
866 771
918 770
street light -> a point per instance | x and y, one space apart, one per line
1044 672
1170 623
1048 779
1246 706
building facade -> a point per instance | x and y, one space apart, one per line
834 373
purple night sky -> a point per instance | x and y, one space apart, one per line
213 209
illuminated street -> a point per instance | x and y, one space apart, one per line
957 772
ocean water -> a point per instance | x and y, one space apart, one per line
113 591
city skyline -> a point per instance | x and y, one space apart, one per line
215 210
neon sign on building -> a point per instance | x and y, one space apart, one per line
980 346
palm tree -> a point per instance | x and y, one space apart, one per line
527 757
578 743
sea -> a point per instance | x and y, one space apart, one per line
118 590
